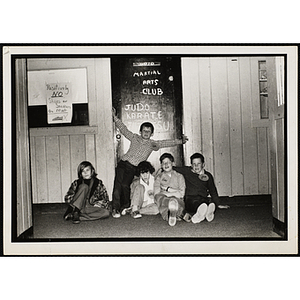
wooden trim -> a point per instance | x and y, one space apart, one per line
260 123
26 235
67 130
279 227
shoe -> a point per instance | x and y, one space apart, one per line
115 213
76 219
126 211
200 214
173 208
210 212
69 213
187 217
68 217
136 214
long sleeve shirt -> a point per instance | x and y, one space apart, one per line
140 149
197 187
175 181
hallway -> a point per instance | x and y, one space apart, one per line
250 218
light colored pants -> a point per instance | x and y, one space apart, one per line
162 202
138 199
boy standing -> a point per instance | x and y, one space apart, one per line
169 188
141 146
199 185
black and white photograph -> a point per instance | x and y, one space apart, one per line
150 150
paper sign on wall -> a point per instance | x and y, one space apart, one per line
59 103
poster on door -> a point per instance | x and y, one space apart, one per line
59 103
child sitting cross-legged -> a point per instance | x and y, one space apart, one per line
87 196
141 195
169 189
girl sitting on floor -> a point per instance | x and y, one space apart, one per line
87 197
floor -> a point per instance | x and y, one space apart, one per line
246 218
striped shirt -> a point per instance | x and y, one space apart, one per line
140 149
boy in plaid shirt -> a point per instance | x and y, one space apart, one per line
141 146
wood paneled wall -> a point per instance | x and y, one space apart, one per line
219 94
220 99
57 151
23 195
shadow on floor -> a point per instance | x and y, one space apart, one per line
247 218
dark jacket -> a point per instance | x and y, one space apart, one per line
197 187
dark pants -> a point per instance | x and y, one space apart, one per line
193 202
125 172
88 212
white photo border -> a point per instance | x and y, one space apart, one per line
123 248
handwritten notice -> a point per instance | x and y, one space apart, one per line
59 103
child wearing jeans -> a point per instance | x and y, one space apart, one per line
141 146
87 197
141 195
169 189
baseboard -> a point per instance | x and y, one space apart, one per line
279 227
247 200
26 235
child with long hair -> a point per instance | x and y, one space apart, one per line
87 196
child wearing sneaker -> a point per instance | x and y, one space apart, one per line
141 195
87 197
141 146
169 189
199 186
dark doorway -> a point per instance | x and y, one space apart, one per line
148 89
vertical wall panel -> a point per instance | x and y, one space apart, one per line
220 125
191 110
104 139
248 133
33 170
24 197
41 170
53 169
65 165
236 151
90 149
77 146
206 114
280 167
269 162
263 164
196 110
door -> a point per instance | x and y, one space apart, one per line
275 71
148 89
22 198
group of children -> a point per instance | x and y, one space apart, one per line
176 193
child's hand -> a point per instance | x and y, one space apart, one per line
184 139
154 146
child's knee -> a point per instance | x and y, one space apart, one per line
83 187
